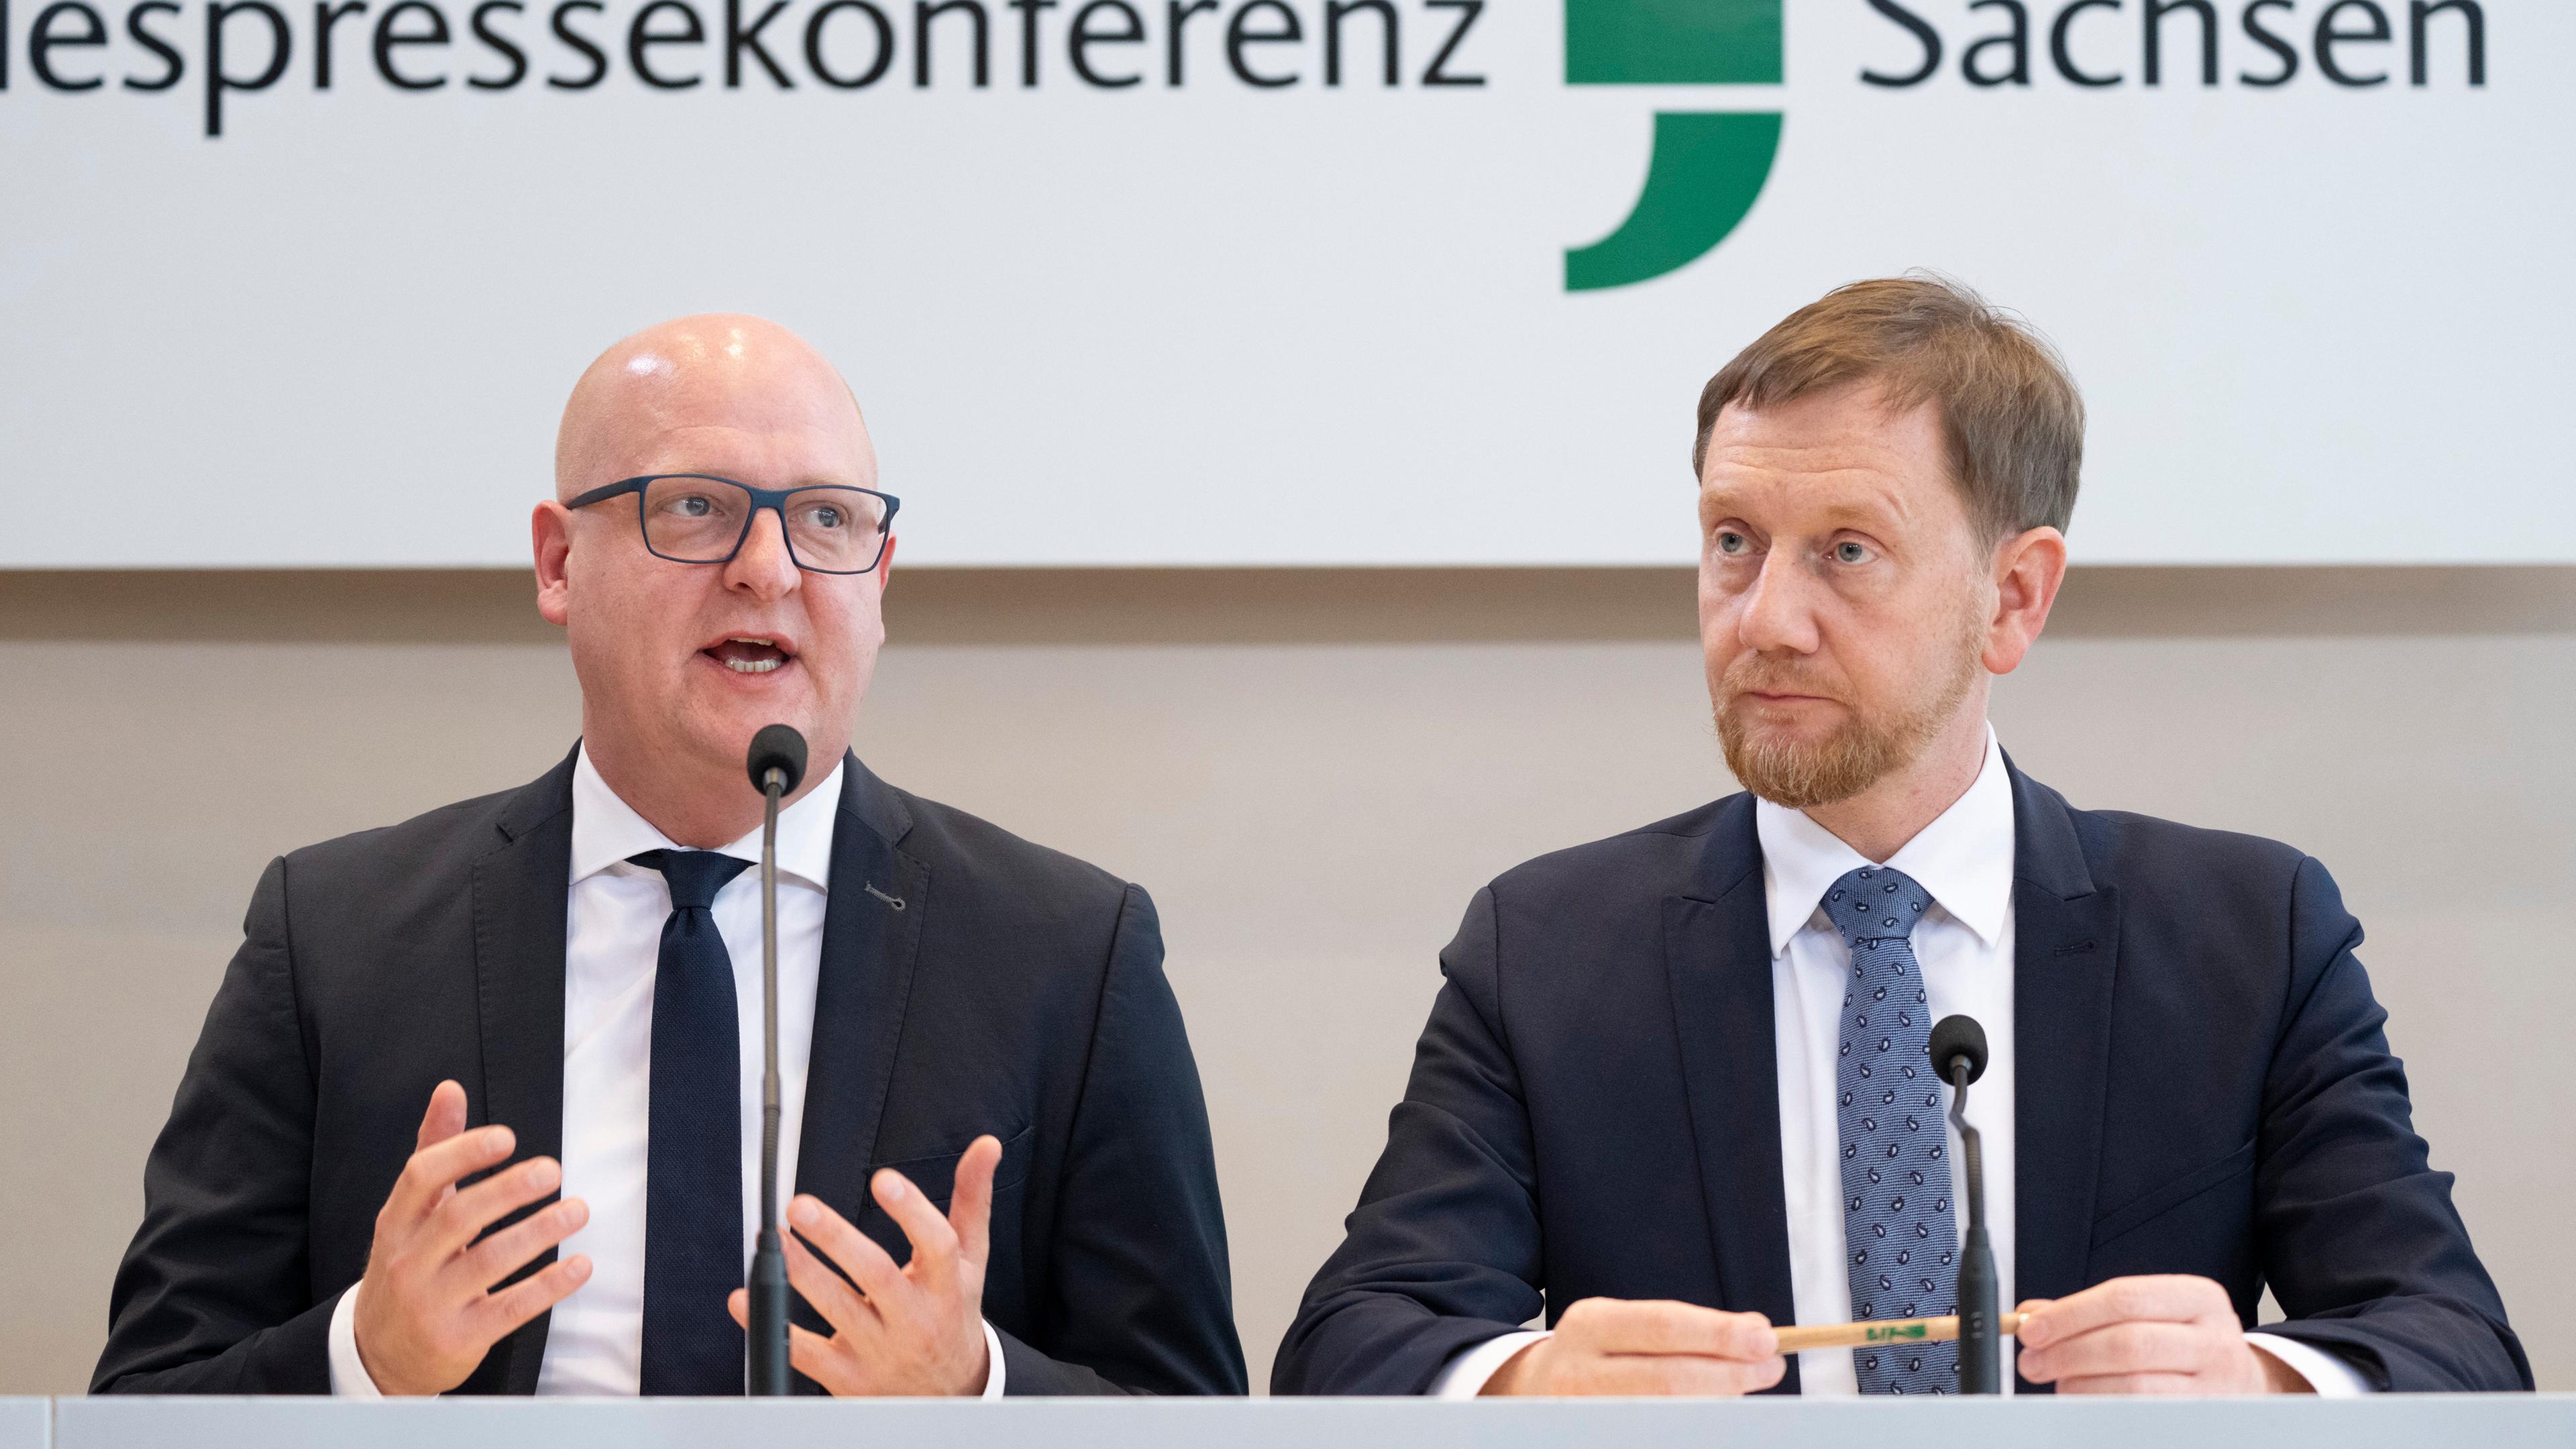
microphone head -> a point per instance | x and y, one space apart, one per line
1954 1037
779 747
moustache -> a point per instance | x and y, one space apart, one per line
1758 677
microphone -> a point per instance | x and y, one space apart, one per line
777 747
1959 1056
777 767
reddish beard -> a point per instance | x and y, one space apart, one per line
1867 746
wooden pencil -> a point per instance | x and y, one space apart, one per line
1888 1330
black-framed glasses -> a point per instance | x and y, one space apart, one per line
699 518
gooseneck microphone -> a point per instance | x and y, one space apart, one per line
1959 1056
777 765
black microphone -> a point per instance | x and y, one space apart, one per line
777 765
777 747
1959 1057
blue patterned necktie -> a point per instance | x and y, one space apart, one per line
693 1240
1900 1238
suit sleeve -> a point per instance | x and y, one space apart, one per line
2359 1238
1444 1250
214 1294
1142 1299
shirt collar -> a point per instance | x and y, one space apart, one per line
606 830
1964 858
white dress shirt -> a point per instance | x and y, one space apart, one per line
614 914
1964 943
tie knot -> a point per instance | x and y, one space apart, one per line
693 875
1874 903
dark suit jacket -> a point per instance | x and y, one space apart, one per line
2202 1087
1004 989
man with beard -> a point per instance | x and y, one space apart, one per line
1674 1090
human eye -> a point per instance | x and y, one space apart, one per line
1852 551
818 514
678 504
1730 541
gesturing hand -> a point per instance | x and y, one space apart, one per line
1615 1346
426 1310
2154 1335
917 1329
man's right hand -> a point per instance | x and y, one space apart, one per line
1615 1346
426 1311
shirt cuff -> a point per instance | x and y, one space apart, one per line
1466 1375
349 1378
996 1372
2330 1376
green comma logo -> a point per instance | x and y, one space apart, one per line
1707 167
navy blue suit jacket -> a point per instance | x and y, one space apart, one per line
2202 1087
971 982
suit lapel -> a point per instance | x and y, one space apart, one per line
871 938
520 890
2066 957
1717 957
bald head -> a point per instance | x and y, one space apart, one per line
682 662
670 396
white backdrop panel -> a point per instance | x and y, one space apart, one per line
1215 324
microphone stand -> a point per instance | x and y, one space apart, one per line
768 1286
1980 1346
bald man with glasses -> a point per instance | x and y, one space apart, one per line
476 1107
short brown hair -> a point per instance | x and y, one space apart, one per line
2011 415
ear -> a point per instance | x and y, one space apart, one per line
885 565
550 533
2029 567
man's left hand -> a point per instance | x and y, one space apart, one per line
2156 1335
914 1330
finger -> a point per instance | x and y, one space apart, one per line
2132 1384
1612 1325
499 1314
828 1233
1677 1374
824 1361
831 1295
507 1251
434 1169
970 1205
2171 1298
458 1221
934 1243
1694 1374
738 1303
2138 1346
445 1117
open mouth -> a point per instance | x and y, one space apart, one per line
747 654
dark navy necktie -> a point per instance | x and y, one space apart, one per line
1899 1233
693 1242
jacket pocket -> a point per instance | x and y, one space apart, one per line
936 1174
2148 1206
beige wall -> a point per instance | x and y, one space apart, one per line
1312 771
